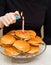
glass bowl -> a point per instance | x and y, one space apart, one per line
22 58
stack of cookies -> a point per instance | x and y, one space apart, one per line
16 42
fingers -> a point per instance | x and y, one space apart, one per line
3 21
9 18
6 20
13 18
16 13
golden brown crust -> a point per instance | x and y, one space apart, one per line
7 39
34 49
22 45
32 33
35 41
11 51
24 35
12 32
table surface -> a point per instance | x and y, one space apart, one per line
43 59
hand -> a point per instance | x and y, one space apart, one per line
8 18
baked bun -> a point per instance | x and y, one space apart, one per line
34 49
4 45
37 41
32 33
12 32
22 45
11 51
7 39
23 35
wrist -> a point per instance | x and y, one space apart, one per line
1 25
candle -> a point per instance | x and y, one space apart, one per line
22 23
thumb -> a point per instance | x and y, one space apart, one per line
16 13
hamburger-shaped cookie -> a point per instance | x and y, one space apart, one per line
11 51
32 33
37 41
23 35
22 45
12 32
34 49
7 39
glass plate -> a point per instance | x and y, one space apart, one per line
25 57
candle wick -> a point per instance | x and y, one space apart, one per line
21 13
